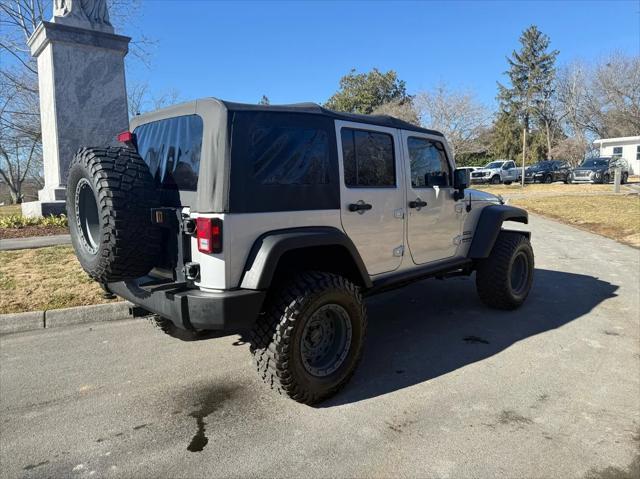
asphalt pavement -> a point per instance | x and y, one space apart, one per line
447 388
34 242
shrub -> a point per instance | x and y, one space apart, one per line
19 221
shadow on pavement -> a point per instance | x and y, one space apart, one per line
434 327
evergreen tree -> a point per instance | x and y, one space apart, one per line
531 74
264 100
505 136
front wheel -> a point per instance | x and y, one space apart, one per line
504 279
309 340
548 179
495 180
624 179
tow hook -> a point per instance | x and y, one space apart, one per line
191 271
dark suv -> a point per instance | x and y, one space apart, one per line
548 171
600 170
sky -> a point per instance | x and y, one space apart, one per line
298 51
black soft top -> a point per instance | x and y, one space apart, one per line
315 109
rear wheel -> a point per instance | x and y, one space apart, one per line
507 182
548 179
504 279
625 177
605 178
309 340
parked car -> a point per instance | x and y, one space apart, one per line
600 170
548 171
496 172
276 222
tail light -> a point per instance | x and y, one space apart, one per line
127 138
209 235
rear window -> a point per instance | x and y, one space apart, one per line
171 148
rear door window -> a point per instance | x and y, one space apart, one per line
368 159
172 148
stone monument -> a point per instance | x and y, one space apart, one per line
83 97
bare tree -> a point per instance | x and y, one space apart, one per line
403 110
140 99
458 114
600 100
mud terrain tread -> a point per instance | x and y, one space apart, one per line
129 244
271 337
492 275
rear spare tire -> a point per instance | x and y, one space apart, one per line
110 192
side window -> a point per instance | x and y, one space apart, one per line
617 151
428 161
290 156
368 159
638 153
510 164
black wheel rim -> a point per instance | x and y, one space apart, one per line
87 217
326 340
519 273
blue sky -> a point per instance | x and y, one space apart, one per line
297 51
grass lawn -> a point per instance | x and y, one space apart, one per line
614 216
44 278
538 188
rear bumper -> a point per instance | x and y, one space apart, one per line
193 309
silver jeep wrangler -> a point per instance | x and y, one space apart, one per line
221 218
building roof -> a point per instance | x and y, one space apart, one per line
622 139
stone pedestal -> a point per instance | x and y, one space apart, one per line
83 100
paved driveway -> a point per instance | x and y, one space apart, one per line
447 388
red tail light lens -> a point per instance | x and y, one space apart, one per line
126 137
209 235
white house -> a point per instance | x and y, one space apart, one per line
627 147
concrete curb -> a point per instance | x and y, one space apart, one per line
55 318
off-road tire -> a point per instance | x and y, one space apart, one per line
495 180
494 274
277 335
126 244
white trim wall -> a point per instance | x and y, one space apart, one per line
627 147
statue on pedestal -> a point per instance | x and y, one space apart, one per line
83 13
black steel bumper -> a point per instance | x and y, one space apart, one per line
193 309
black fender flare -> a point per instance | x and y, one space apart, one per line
489 226
267 250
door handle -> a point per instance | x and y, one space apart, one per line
360 207
417 204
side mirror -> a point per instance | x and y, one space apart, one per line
461 180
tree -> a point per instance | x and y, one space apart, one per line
364 92
531 74
506 136
457 114
264 100
402 110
